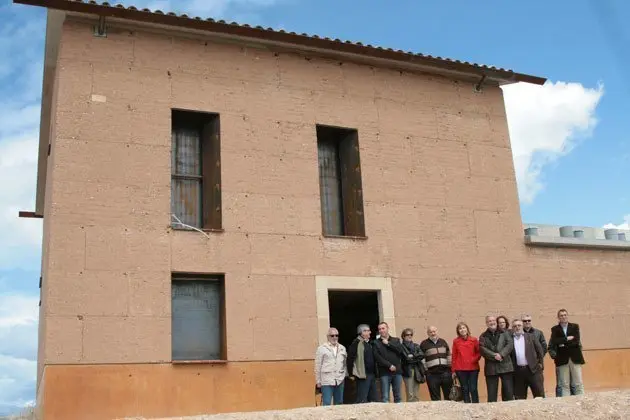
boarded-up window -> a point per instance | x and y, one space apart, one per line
340 185
196 170
197 318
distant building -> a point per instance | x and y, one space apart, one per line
328 183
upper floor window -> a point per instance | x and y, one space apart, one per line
196 170
340 185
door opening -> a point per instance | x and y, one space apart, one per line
347 310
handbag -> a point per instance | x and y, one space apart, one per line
456 393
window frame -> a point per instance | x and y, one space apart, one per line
203 278
350 182
208 125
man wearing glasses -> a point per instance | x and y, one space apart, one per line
330 368
527 358
536 335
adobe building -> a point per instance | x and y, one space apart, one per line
321 183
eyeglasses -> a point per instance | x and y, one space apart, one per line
527 320
333 335
408 335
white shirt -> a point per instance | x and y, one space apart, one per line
519 348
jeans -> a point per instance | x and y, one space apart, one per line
569 376
439 381
395 381
332 392
559 390
366 389
468 380
507 387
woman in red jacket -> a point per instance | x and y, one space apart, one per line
465 362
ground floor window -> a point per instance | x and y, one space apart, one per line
197 317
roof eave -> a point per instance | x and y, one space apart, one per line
294 41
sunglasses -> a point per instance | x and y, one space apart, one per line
408 335
527 320
333 335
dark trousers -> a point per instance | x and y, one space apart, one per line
468 380
366 389
507 387
439 381
523 379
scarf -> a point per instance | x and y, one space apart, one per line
358 369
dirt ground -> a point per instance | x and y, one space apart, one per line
605 405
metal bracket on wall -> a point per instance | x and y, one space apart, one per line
477 87
100 29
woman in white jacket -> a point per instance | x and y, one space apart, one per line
330 368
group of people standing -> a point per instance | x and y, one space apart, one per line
513 355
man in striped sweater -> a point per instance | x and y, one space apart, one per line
437 361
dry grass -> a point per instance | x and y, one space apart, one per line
27 413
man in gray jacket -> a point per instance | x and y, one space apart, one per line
497 365
537 335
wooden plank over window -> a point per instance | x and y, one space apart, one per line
211 157
351 184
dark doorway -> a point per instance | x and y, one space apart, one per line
347 310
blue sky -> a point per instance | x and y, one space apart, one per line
570 138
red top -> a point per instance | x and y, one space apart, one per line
465 354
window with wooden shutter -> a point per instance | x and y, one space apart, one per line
196 170
341 191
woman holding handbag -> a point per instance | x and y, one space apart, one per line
413 369
465 364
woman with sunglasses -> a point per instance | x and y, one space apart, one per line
413 370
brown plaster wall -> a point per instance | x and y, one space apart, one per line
162 390
441 205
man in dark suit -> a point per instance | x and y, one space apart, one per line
565 348
527 357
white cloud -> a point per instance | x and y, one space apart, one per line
18 349
625 225
217 9
21 238
545 123
18 310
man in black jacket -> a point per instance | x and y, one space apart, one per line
362 365
565 348
389 353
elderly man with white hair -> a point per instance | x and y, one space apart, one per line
361 365
330 368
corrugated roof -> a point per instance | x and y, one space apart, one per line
270 34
